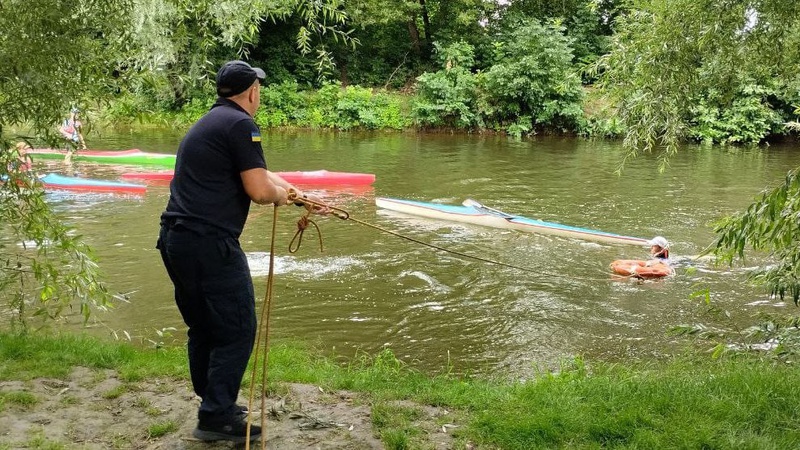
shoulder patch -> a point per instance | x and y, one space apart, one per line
255 136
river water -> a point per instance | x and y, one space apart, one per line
369 290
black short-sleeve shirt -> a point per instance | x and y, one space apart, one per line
206 192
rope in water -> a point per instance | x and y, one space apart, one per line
266 309
344 215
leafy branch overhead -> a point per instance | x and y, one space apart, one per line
186 40
668 55
770 224
321 20
55 55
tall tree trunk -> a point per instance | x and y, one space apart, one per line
426 24
413 33
343 76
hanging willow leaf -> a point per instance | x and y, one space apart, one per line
770 224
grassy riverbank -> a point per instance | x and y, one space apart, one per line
683 403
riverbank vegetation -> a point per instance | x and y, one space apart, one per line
686 402
665 71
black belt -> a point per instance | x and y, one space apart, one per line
200 228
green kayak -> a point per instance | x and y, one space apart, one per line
126 157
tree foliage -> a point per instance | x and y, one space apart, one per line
589 23
771 224
747 118
449 96
533 77
177 45
55 54
667 55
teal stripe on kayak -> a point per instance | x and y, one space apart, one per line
61 180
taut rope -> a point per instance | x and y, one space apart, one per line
266 309
344 215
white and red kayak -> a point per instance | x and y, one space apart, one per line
315 177
475 213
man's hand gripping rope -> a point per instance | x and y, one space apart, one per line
312 205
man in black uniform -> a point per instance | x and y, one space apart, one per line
220 169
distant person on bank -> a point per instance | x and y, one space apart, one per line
220 169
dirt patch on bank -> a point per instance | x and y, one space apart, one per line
95 410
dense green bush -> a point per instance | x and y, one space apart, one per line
281 104
747 118
531 85
533 78
331 106
603 127
360 107
449 97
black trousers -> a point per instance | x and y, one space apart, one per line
214 293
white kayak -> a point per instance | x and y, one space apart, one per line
475 213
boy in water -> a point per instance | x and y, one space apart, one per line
659 249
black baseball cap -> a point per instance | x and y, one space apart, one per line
234 77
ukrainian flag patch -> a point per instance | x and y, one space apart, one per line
255 136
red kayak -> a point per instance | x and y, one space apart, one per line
323 177
62 152
316 177
147 176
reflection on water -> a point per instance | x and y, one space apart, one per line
369 290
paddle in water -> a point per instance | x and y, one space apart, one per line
485 209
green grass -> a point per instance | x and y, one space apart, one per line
39 442
396 425
160 429
115 392
19 398
31 356
687 402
